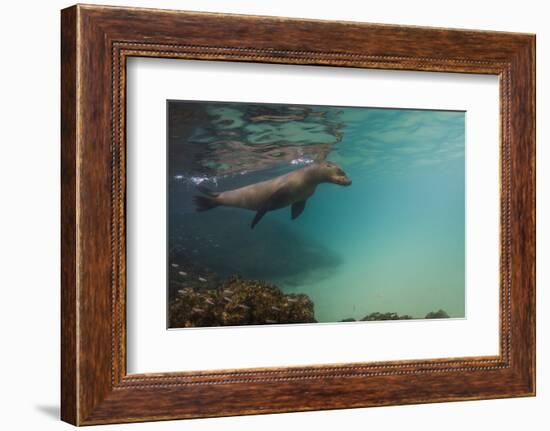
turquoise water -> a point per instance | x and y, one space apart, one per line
394 241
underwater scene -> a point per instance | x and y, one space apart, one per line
281 214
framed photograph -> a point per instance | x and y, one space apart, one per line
263 214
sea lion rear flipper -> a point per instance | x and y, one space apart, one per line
258 217
297 209
207 191
204 203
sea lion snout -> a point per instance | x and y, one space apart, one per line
342 181
345 182
336 175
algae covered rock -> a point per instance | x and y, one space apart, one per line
238 302
385 316
439 314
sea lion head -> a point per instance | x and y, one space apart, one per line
332 173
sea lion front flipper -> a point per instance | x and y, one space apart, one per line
275 201
258 217
297 209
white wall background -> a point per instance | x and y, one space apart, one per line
29 215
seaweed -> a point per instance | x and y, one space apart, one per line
238 301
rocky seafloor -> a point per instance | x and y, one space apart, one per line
200 298
440 314
206 289
237 301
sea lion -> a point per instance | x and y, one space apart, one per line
292 189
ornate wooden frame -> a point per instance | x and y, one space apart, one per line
95 43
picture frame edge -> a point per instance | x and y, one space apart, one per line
94 385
